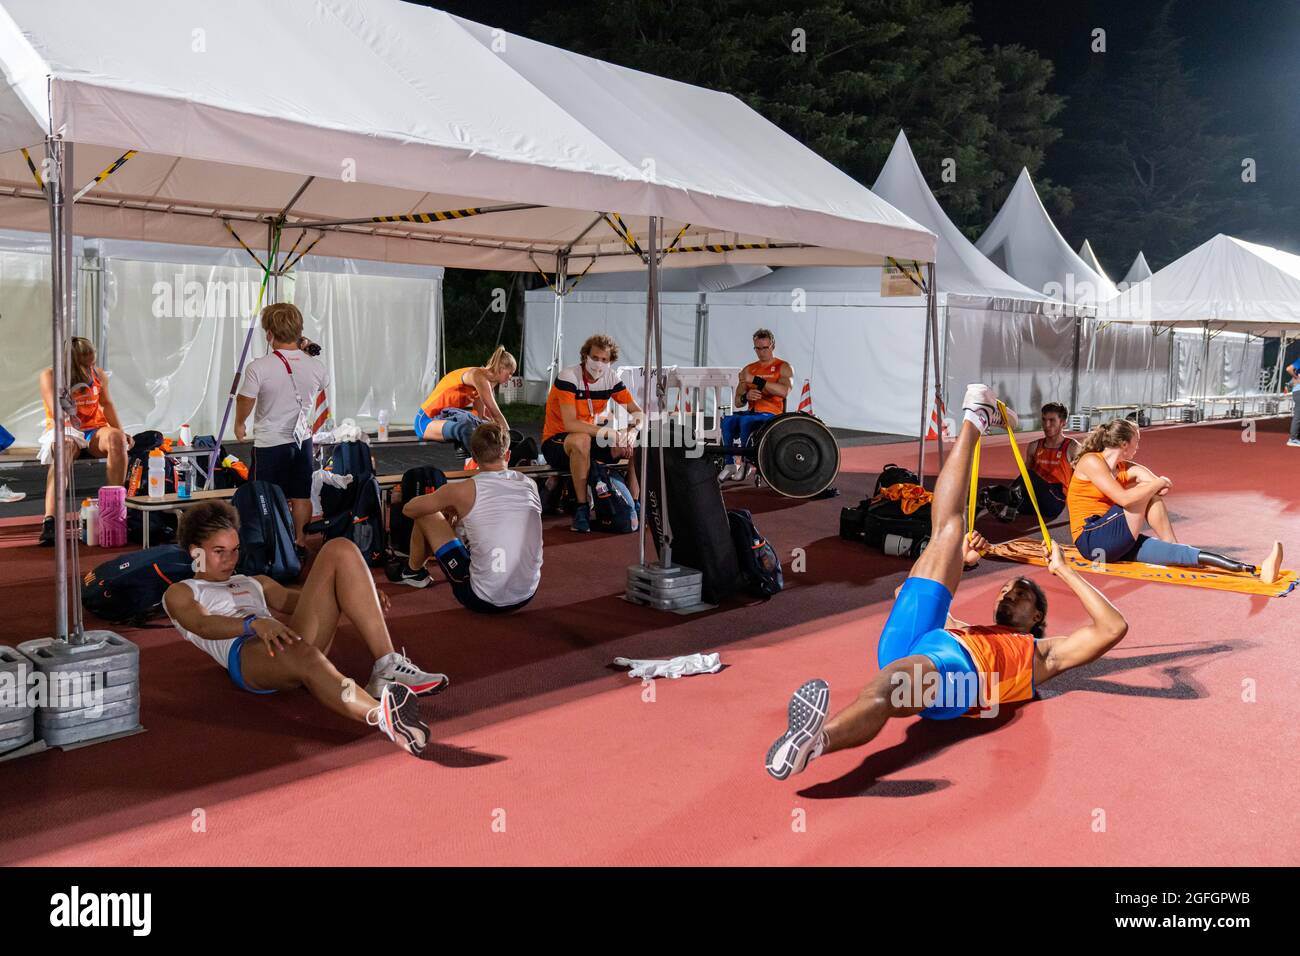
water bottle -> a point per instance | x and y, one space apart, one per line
187 436
157 474
383 424
184 478
89 522
112 516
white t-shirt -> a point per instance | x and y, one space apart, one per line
504 534
267 381
239 597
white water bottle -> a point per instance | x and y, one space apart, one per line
89 522
383 424
187 436
157 474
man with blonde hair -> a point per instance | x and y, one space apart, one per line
282 386
498 514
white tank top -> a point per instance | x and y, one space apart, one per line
504 534
238 597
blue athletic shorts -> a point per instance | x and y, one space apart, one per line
236 671
289 465
1107 536
915 626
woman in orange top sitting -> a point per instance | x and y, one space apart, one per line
97 431
1112 499
463 399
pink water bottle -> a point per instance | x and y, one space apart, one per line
112 516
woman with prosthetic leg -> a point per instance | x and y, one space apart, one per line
1118 511
934 666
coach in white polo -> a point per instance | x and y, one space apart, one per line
282 387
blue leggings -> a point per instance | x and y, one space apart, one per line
737 428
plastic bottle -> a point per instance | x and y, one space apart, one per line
235 465
112 516
157 474
184 478
89 522
187 436
383 424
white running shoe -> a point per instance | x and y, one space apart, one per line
729 472
397 668
1291 443
8 497
982 402
803 739
398 717
748 471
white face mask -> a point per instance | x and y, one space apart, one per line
596 369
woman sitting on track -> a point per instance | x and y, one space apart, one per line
1112 499
463 400
97 431
219 612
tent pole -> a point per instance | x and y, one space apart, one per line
932 308
651 419
557 342
1074 374
1205 366
54 150
925 389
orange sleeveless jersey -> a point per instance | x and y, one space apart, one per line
1084 500
768 372
1053 464
1004 659
90 413
450 392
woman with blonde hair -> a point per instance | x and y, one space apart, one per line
96 430
463 399
1118 512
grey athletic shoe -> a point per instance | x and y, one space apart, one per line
398 717
803 739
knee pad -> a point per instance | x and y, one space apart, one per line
453 558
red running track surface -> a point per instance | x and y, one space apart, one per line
539 733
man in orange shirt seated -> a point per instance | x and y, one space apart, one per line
763 385
1050 461
573 435
934 666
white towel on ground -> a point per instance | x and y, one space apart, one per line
674 668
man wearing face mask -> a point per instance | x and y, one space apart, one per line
571 437
282 386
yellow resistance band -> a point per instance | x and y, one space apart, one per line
1024 474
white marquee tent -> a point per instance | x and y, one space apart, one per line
1138 271
1090 259
1023 240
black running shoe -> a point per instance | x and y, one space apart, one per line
47 532
399 572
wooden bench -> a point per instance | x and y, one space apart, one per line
387 483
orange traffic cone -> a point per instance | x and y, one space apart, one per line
805 398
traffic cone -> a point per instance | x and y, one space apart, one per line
322 411
805 398
936 427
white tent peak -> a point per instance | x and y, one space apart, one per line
1139 271
1023 240
1087 254
1225 281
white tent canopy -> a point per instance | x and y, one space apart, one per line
1137 272
1225 282
328 110
1023 240
1089 257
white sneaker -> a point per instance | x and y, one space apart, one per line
728 472
1291 443
747 471
398 718
9 497
982 402
397 668
803 739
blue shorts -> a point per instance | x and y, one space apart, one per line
236 671
464 592
915 626
463 423
1107 537
290 466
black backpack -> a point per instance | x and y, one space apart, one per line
129 589
266 539
523 451
415 482
760 565
355 512
613 508
162 524
895 475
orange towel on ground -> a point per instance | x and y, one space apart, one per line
1025 551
